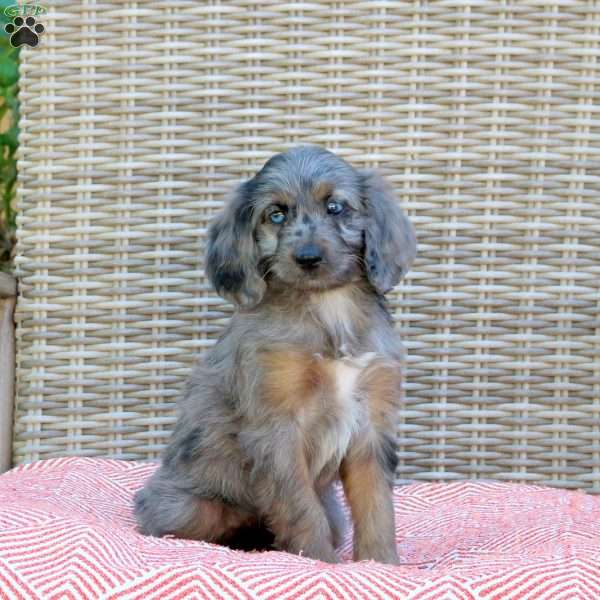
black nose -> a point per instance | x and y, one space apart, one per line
308 256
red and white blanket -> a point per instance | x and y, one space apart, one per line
67 531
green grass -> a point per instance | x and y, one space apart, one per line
9 135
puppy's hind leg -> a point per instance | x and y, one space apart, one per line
162 509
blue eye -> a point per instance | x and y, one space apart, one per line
334 208
278 217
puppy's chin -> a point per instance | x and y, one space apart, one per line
319 279
312 282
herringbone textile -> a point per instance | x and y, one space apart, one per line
66 531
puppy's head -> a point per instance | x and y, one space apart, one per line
310 221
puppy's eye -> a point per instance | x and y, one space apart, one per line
334 208
277 217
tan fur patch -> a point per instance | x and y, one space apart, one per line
369 497
292 379
322 190
381 384
214 521
362 478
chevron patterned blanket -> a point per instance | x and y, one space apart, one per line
67 531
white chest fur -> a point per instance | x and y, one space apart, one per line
345 413
338 313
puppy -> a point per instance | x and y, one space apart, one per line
303 385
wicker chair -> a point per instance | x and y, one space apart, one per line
137 117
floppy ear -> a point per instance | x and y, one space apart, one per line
390 241
232 257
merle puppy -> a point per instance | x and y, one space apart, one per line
302 388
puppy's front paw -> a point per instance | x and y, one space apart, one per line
327 555
317 550
378 553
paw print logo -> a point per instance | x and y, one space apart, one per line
24 31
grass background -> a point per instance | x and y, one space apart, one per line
9 139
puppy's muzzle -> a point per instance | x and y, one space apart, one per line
308 256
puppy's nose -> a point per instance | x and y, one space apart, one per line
308 256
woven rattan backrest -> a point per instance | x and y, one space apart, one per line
138 116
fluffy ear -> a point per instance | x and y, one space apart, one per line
232 257
390 241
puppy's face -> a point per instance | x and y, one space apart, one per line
310 221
